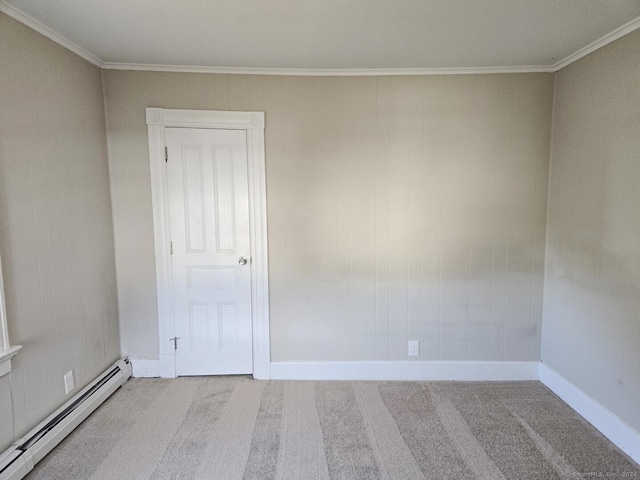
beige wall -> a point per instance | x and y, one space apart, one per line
399 208
56 238
592 285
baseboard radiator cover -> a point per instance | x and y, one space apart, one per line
19 459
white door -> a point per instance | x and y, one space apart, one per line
209 225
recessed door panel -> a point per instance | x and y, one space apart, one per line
194 197
224 199
228 325
212 277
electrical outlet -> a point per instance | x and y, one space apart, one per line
68 382
414 348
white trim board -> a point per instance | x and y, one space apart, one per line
42 29
610 37
339 72
5 358
7 351
252 123
401 370
163 368
145 368
406 370
622 435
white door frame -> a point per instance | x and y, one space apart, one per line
253 124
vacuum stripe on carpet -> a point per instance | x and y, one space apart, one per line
265 444
135 457
466 443
229 442
301 444
184 454
556 461
347 448
395 460
423 432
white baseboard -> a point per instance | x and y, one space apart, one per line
626 438
162 368
460 371
145 368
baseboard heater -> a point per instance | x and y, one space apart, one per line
21 457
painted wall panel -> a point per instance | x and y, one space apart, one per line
592 285
325 208
56 235
6 412
383 219
399 221
399 208
431 251
344 337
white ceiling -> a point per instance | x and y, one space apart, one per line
329 34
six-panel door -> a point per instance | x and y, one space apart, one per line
209 224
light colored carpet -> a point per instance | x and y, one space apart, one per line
237 428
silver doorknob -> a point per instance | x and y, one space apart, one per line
242 261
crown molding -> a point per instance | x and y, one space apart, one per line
325 72
42 29
39 27
601 42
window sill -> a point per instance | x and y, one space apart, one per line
5 359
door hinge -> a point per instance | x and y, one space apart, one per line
170 248
175 342
166 154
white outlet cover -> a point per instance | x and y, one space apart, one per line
414 348
69 384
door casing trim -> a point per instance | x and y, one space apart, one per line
253 124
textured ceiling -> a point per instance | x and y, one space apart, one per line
332 34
